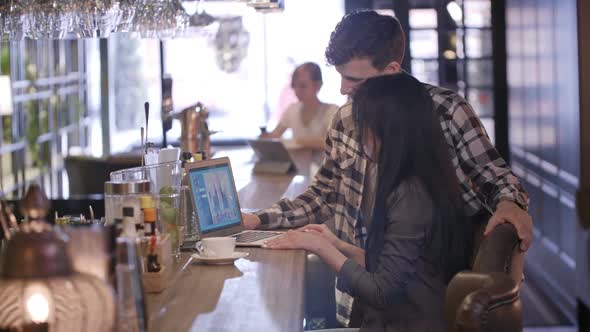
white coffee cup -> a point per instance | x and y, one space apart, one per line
216 247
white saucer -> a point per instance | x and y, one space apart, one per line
219 260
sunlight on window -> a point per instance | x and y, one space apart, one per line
478 13
137 64
423 18
242 71
424 44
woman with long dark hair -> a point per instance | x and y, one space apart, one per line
417 238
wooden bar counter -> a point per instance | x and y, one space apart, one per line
262 292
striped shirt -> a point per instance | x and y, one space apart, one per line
336 191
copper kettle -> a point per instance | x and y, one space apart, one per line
195 135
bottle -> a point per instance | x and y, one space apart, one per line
152 259
186 157
118 226
129 229
187 214
149 220
131 308
145 202
200 155
151 156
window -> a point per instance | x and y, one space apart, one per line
240 66
424 47
477 74
134 79
50 117
451 46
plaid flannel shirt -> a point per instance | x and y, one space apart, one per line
336 191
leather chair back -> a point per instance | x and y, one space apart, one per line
487 297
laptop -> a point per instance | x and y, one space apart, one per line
273 157
215 200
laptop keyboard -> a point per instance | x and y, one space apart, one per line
253 236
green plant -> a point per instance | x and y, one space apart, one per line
79 110
5 60
7 129
37 120
33 117
32 131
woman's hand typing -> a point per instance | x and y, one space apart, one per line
310 241
323 231
297 240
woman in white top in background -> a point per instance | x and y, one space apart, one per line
309 118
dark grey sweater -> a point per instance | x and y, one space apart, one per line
406 290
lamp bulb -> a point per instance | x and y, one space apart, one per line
38 307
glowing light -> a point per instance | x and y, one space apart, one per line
450 54
38 307
455 11
298 179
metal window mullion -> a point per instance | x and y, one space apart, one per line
465 58
441 41
66 115
60 101
82 91
17 65
39 65
51 109
12 147
51 137
69 69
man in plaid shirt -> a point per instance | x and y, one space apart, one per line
363 45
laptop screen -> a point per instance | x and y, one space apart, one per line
215 198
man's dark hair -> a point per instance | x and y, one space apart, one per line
366 33
312 68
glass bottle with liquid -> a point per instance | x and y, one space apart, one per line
187 211
131 307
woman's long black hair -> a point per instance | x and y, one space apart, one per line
398 112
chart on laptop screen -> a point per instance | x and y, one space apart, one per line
215 199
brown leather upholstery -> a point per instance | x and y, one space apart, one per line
487 298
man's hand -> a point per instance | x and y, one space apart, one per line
507 211
265 135
251 221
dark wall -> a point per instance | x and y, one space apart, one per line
583 202
543 107
351 5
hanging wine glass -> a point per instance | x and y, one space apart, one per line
50 19
127 10
16 22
